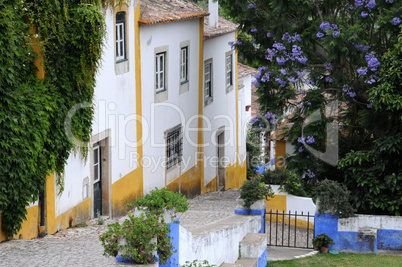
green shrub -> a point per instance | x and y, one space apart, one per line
253 190
138 233
160 200
322 241
334 198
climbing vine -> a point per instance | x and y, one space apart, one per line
34 143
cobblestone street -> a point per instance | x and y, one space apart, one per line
81 246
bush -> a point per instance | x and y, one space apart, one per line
334 198
138 233
160 200
322 241
288 181
253 190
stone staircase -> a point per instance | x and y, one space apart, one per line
253 250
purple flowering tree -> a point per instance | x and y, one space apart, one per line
310 53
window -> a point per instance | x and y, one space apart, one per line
120 36
184 65
229 70
208 81
97 166
174 146
160 72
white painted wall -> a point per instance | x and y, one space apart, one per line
218 245
244 116
179 108
114 101
361 221
296 203
222 111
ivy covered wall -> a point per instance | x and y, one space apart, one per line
33 141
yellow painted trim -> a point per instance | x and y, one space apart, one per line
278 202
190 183
50 199
200 148
29 227
126 190
76 215
37 49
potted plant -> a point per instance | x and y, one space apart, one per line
322 242
253 192
138 240
163 203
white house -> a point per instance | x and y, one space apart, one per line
169 112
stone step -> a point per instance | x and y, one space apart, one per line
246 262
253 245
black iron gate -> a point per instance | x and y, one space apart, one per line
289 229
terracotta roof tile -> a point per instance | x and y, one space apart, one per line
164 11
224 27
244 70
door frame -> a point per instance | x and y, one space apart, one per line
220 132
106 172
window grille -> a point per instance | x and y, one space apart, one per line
174 146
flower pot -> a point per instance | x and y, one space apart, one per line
324 250
258 205
168 215
123 242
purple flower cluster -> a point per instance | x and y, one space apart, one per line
372 79
320 34
372 62
279 46
328 66
364 14
371 4
301 74
254 120
389 1
310 173
370 105
281 60
359 3
396 21
231 45
348 90
362 71
362 47
253 29
291 39
281 82
328 79
284 72
269 35
310 140
301 139
252 6
293 79
336 33
300 149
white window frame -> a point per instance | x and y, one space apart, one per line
229 77
208 81
184 64
121 38
160 72
97 165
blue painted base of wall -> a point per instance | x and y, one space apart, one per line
389 239
254 212
121 259
174 234
354 241
262 260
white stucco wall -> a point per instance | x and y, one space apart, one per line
220 244
114 113
244 116
178 108
354 224
296 203
222 111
